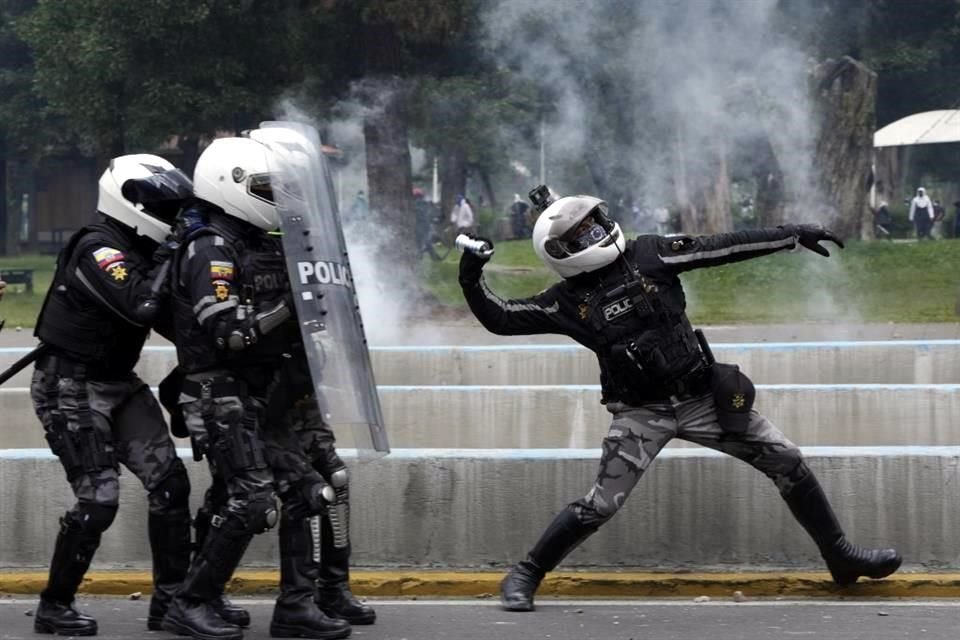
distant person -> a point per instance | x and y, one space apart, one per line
921 214
461 216
519 222
939 214
882 220
956 219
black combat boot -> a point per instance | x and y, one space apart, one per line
192 611
72 554
333 595
296 614
222 605
561 537
170 547
845 560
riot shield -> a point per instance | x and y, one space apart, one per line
323 288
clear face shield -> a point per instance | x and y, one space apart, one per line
595 228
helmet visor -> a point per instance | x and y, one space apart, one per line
160 194
595 228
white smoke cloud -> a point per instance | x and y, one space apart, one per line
716 68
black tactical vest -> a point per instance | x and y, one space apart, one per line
645 343
78 326
260 281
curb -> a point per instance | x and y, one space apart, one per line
570 584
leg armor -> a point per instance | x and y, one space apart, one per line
562 536
168 526
296 613
79 537
846 561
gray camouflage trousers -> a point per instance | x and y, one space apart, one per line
250 461
94 425
638 434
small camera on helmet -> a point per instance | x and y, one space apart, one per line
541 197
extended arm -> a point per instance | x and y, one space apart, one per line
525 316
685 253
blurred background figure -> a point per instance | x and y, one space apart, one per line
921 214
519 223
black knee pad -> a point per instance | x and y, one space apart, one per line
173 491
90 517
261 513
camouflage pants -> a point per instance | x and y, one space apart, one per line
638 434
120 418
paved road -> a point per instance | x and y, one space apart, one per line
574 620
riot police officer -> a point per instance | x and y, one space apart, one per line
624 301
95 411
315 552
234 327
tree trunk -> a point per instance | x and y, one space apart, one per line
190 152
770 199
453 178
845 95
389 176
702 184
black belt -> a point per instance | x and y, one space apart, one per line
216 387
692 384
68 368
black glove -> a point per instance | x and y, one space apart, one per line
471 264
166 250
809 235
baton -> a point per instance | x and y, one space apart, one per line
20 364
146 312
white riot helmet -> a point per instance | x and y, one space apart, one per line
143 191
235 174
575 235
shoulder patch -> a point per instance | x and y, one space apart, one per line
107 256
221 271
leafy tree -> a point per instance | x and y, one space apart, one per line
127 74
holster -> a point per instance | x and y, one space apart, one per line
84 450
239 447
170 399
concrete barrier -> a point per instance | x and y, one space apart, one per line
484 509
572 416
896 362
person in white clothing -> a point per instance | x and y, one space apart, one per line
921 214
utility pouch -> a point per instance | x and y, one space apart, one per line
239 447
733 395
62 445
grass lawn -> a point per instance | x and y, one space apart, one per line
866 282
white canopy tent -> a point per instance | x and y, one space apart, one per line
929 127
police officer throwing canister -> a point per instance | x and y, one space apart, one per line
623 300
235 328
95 411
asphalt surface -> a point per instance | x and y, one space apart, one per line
571 619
